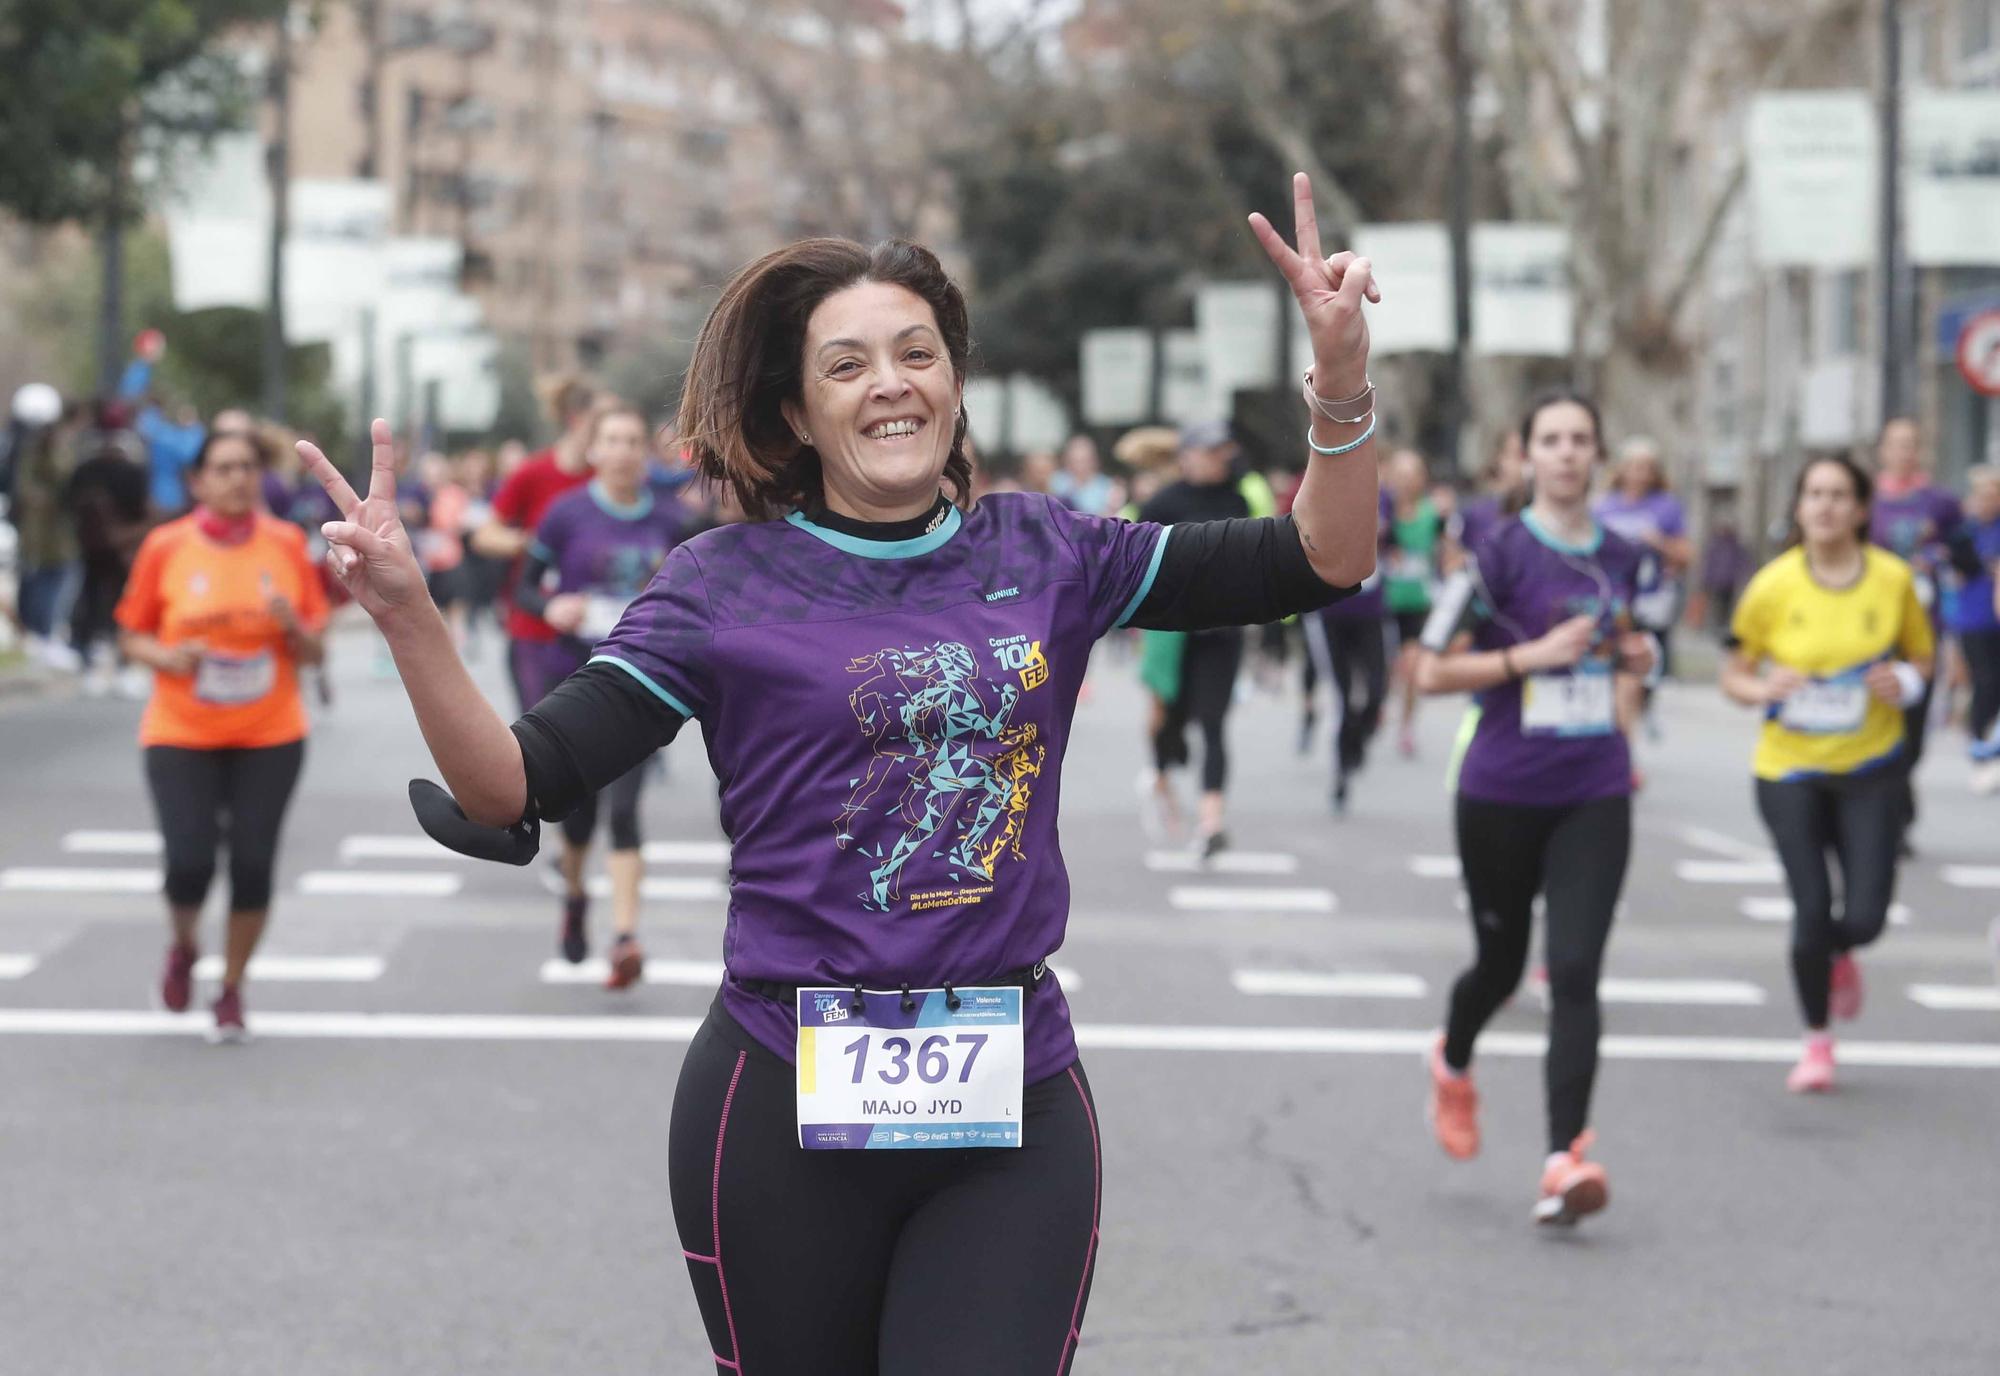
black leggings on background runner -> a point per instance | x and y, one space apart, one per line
903 1263
1575 858
1982 660
1916 724
233 798
1356 660
1208 684
1853 817
621 795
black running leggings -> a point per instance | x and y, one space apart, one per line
903 1263
1982 658
1208 683
210 798
1855 818
1573 856
622 794
1357 663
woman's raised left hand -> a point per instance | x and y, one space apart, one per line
1329 291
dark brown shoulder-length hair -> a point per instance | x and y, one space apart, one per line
750 359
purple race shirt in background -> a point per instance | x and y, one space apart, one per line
1525 585
1917 526
1655 514
888 723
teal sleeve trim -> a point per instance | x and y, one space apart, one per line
655 689
1146 583
542 552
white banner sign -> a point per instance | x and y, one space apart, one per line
1521 303
1238 324
1117 376
1813 193
1951 168
1412 263
335 257
1184 380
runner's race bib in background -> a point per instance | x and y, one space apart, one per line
233 680
600 617
1827 706
1577 703
881 1077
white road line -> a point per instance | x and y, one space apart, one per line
381 883
1958 998
301 969
112 843
685 852
1704 992
1092 1036
1205 900
1778 908
1229 862
353 848
701 974
1434 866
15 966
665 887
1728 871
80 881
1722 843
1352 984
1973 876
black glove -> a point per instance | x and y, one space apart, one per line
446 823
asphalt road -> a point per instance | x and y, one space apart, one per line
437 1156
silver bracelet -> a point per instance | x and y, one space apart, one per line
1323 406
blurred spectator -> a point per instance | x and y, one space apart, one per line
170 443
1726 567
106 497
1150 455
39 459
1082 484
1037 470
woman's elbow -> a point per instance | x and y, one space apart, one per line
1346 568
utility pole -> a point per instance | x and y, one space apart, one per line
1458 211
111 300
1895 334
278 157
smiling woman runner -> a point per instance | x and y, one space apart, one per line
886 682
1538 625
223 605
1832 641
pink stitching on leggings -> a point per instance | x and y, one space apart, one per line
1096 1203
720 1360
715 1209
697 1256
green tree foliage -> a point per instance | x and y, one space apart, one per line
89 82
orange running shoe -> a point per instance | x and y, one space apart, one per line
1453 1109
628 964
1572 1186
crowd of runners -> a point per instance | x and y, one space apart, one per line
812 562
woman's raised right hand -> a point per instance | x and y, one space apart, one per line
368 549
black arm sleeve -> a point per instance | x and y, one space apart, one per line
528 594
1243 572
596 724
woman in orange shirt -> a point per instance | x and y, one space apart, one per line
224 606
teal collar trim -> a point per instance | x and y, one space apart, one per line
636 511
1541 532
883 549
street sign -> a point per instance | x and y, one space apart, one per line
1979 353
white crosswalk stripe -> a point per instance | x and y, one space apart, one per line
685 852
100 879
1229 862
1190 898
353 848
1728 871
112 843
1698 992
1957 998
1778 908
301 969
1973 876
1434 866
16 966
381 883
1347 984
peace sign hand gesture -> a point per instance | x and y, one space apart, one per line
369 551
1329 292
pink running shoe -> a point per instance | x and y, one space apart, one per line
1453 1108
177 979
1844 991
228 1010
1571 1186
1814 1072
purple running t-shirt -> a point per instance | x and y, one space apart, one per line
1476 520
888 722
1917 526
1517 586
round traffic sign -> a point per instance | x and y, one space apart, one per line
1979 353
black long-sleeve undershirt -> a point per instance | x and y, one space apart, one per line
1240 572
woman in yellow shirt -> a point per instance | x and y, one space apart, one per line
1831 642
